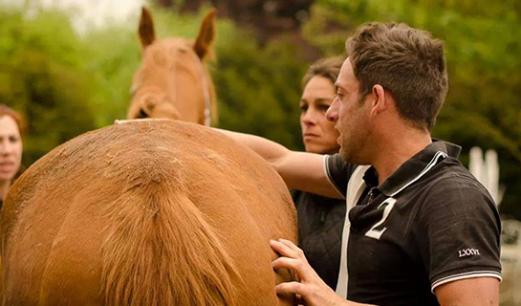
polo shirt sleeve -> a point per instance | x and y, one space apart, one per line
337 172
460 234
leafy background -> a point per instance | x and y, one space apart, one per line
66 82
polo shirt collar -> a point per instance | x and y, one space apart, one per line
414 168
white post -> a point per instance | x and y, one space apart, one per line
486 171
492 167
476 163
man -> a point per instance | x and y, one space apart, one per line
424 231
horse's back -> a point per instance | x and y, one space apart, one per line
152 212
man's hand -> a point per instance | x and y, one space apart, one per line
310 288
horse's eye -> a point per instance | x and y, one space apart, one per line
182 50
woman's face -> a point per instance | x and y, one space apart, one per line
319 134
10 148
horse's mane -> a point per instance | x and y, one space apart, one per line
146 257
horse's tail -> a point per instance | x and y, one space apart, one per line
160 250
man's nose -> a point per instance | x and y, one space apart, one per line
332 111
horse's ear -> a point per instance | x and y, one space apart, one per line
205 39
146 28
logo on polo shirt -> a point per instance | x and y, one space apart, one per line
468 252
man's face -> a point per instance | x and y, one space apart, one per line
350 112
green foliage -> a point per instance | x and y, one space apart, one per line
112 56
483 43
42 77
258 87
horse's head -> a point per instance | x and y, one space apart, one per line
173 81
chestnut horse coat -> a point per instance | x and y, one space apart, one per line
148 212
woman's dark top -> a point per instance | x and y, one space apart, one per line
320 225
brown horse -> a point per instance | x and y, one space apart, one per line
173 81
146 212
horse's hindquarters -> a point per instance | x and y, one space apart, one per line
54 250
107 217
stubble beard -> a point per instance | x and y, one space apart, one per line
356 138
353 147
347 149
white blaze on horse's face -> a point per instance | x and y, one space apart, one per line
172 81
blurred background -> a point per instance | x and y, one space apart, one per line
67 66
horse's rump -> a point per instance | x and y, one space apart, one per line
145 213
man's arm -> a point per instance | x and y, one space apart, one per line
463 259
479 291
300 170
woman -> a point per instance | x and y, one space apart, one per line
11 125
320 219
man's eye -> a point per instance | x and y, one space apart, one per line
303 108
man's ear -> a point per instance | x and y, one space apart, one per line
380 101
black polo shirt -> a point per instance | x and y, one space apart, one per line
429 223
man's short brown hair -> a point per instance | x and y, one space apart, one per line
405 61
